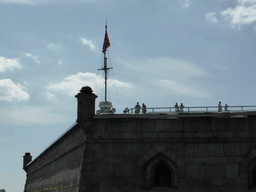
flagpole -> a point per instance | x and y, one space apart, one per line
106 75
105 67
105 106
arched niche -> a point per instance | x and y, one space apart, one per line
248 166
160 172
252 174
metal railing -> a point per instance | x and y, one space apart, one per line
200 109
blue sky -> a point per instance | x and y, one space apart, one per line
162 52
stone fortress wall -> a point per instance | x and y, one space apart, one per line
148 152
205 153
58 167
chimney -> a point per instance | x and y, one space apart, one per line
26 159
85 104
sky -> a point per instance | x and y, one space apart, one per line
192 52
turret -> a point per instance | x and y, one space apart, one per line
85 104
26 159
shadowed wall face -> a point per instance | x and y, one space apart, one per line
149 153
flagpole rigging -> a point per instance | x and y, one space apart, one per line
106 74
106 44
106 106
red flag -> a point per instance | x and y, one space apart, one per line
106 43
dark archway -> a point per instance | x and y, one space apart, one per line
254 177
160 171
162 176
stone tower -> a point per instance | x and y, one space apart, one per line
85 104
26 159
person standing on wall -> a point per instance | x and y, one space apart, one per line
219 107
226 107
137 108
144 109
181 107
176 106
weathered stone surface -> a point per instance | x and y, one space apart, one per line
243 149
210 154
160 149
216 149
204 149
215 171
191 150
203 135
231 149
195 171
189 135
232 170
234 160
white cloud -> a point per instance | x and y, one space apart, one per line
60 62
73 83
181 88
164 66
10 91
51 96
166 73
25 83
185 3
243 14
211 16
53 47
9 64
34 57
89 43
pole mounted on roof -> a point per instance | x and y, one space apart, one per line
105 106
105 68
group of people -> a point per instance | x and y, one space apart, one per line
144 109
220 107
137 108
177 108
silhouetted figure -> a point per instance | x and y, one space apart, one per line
176 106
144 108
226 107
126 110
137 108
181 107
219 107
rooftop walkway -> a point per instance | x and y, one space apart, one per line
200 109
169 112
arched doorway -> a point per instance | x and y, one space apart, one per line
162 175
254 177
160 171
